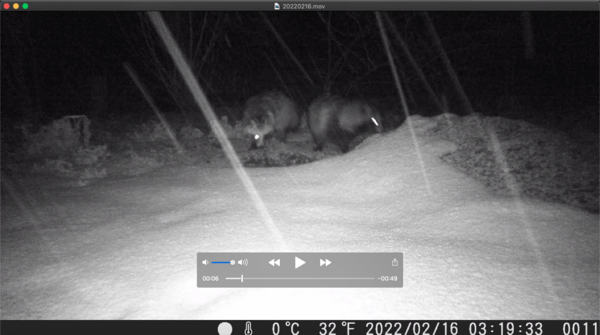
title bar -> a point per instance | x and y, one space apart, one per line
306 6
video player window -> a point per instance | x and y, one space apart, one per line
251 161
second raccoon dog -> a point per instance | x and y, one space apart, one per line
270 114
337 120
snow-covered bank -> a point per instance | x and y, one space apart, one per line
127 248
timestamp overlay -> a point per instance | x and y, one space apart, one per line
300 269
417 327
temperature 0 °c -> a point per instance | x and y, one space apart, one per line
293 326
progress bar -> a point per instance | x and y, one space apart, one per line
242 278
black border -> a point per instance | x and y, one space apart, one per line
303 327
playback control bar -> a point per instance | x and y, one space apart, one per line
301 269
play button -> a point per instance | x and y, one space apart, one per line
299 262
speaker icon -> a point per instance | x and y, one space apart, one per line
243 262
205 262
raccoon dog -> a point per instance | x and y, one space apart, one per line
337 120
269 114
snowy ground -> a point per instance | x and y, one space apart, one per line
126 249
